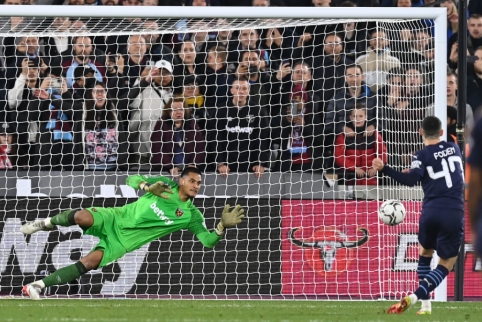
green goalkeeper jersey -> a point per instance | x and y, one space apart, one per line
152 217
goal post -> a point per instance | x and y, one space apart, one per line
307 235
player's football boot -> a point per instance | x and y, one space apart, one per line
401 306
33 226
424 312
32 290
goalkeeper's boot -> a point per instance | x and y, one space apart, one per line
401 306
33 226
424 311
32 290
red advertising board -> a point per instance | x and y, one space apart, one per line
339 249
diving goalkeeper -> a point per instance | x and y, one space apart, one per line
165 208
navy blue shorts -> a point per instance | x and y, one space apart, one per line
441 229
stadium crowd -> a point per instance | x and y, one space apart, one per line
308 98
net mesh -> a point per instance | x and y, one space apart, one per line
283 116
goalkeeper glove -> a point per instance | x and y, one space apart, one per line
230 219
159 189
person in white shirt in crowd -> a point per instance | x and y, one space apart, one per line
378 61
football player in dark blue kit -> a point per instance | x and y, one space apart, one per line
475 187
438 166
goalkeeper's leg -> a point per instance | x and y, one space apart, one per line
70 217
65 274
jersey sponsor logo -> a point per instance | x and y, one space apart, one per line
160 214
416 164
323 246
179 212
239 129
444 153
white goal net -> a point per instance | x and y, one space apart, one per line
282 110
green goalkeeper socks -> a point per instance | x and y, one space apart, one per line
65 218
65 274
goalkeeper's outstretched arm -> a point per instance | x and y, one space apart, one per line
211 239
159 186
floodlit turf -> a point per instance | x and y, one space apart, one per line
221 310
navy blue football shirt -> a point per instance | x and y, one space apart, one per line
442 177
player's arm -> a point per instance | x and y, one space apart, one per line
409 179
159 186
210 239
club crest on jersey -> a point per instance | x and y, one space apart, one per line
250 118
179 212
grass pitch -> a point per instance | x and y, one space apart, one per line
225 310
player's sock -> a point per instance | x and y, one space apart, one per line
65 218
423 270
426 305
65 274
431 281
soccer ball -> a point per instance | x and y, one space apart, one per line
391 212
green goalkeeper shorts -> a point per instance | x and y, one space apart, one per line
104 228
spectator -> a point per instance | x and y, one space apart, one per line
403 3
7 146
58 47
300 134
23 106
129 66
287 80
452 87
355 92
354 152
261 3
55 125
280 44
216 77
475 7
26 47
250 67
187 54
451 124
452 17
145 103
248 41
201 41
474 83
404 111
474 39
177 141
110 2
84 54
100 141
84 77
155 50
355 40
329 68
378 61
414 48
224 38
194 100
321 3
240 141
395 81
